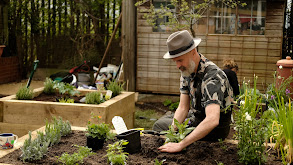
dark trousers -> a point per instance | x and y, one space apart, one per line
220 132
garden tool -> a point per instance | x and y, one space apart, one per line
152 132
32 73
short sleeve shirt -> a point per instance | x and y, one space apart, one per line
209 85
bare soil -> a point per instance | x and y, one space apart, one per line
55 97
199 153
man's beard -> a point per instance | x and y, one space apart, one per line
187 71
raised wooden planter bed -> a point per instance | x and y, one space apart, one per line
34 113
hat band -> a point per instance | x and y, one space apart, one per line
182 49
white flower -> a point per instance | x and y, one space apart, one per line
279 77
242 102
247 116
280 67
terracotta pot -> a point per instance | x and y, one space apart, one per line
285 71
1 49
94 143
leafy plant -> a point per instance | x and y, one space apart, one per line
33 149
65 88
115 87
100 131
65 126
174 106
167 102
49 86
24 93
94 98
251 131
177 136
115 153
157 162
75 158
66 100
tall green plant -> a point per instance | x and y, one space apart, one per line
24 93
115 87
49 86
115 153
251 131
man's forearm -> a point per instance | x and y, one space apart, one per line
203 129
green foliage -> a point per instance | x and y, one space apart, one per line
174 106
115 153
115 87
33 149
181 14
157 162
167 102
251 131
65 88
49 86
183 131
75 158
94 98
24 93
66 100
100 131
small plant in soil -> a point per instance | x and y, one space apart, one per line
115 87
115 153
100 131
37 148
24 93
66 100
65 88
177 136
172 106
94 98
49 86
76 157
157 162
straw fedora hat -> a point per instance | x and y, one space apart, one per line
180 43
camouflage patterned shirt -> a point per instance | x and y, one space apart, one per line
209 85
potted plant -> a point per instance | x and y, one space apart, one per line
97 134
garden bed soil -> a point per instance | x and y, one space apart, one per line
56 97
199 153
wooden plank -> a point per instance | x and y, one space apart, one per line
274 33
249 45
144 29
274 26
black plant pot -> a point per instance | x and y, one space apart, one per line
133 137
94 143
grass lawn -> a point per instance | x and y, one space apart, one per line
146 118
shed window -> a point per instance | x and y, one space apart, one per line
221 19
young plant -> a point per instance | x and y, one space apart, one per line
115 87
75 158
115 153
33 149
65 88
24 93
251 131
157 162
177 136
66 100
49 86
94 98
167 102
100 131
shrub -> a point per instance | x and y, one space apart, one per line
115 153
49 86
65 88
75 158
94 98
115 87
24 93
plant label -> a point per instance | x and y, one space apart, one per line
119 124
108 94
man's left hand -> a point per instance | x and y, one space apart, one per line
171 147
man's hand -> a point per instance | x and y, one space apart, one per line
171 147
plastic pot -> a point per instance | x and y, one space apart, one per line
94 143
133 137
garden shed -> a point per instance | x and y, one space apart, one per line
252 35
